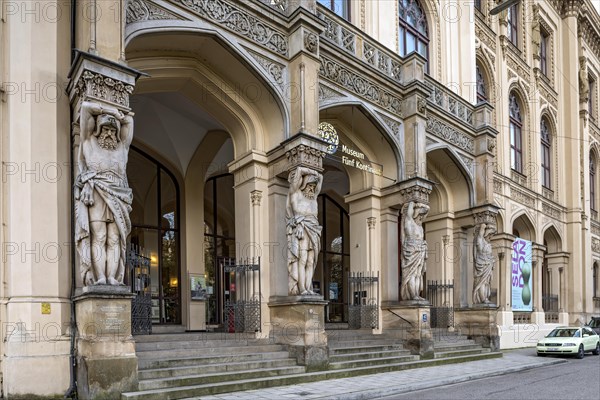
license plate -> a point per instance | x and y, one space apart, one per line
552 349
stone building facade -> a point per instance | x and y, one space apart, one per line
485 119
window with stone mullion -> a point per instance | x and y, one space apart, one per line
592 183
516 139
481 92
412 30
545 141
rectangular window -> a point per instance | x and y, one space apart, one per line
340 7
512 25
544 53
593 191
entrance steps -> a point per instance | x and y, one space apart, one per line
451 344
189 365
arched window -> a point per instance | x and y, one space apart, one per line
513 18
155 229
412 33
592 182
545 144
595 282
481 91
516 139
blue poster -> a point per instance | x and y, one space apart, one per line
521 276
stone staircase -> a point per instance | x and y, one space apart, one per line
185 365
452 344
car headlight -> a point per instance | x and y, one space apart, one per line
569 344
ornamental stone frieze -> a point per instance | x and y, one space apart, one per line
498 186
327 94
522 197
450 134
234 18
595 245
551 211
392 124
360 85
142 10
595 228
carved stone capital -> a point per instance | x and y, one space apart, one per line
485 214
416 190
304 156
95 79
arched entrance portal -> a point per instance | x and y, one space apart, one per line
207 117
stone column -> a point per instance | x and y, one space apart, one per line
250 174
537 316
99 92
297 319
503 242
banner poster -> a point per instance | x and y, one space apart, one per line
521 276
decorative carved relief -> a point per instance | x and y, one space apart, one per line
551 211
141 10
326 93
416 193
100 87
311 42
392 124
274 69
595 245
360 85
595 228
450 134
522 197
491 145
468 163
305 156
256 197
371 222
239 21
485 217
497 186
421 105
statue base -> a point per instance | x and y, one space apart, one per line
409 319
298 322
106 360
479 324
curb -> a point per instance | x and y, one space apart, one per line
394 390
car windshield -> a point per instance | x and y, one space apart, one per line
564 333
594 323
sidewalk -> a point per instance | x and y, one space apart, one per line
389 383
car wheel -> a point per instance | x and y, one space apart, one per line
596 352
581 352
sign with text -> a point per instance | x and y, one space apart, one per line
521 276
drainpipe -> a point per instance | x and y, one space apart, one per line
72 391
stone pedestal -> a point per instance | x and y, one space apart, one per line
298 322
410 320
479 324
106 360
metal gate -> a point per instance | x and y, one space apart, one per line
242 292
141 305
441 296
363 302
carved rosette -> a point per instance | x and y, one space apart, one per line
305 156
99 87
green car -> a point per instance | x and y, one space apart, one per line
569 340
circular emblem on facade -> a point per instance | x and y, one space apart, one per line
328 133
